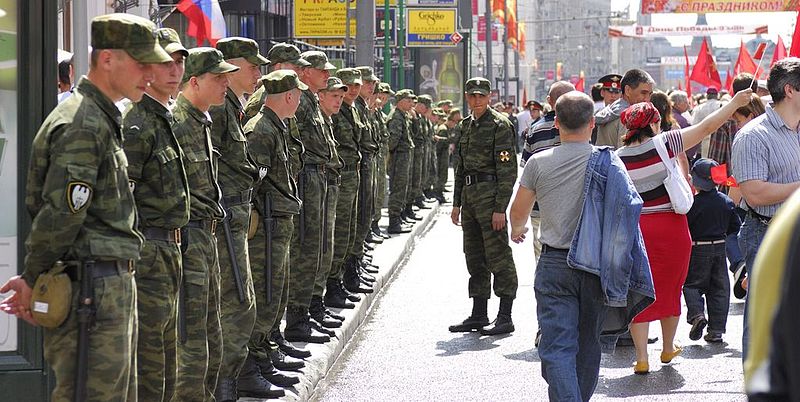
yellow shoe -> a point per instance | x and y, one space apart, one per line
667 357
641 368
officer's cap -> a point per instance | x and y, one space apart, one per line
246 48
280 81
203 60
350 76
536 105
334 84
478 85
367 73
133 34
385 88
611 82
318 60
286 53
405 94
425 100
168 39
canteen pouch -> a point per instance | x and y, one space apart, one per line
254 218
51 297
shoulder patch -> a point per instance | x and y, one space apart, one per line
504 156
78 195
262 172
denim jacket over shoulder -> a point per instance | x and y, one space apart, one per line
609 243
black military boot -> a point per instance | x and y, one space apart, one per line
373 238
396 226
298 327
477 320
315 326
335 295
420 203
352 281
502 324
350 296
410 213
226 390
317 301
440 198
283 362
369 267
317 312
286 347
379 232
272 374
252 384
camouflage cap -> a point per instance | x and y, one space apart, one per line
439 112
444 102
367 73
280 81
385 88
133 34
425 100
334 84
246 48
318 60
168 39
478 85
405 94
286 53
203 60
350 76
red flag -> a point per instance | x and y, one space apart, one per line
579 86
780 51
744 64
705 69
686 73
719 175
759 54
524 96
729 82
794 51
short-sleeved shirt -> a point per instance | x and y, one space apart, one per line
766 149
557 175
648 171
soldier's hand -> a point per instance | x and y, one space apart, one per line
455 216
518 234
19 303
498 221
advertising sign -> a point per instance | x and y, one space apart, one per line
430 27
379 22
647 31
482 30
321 19
440 74
717 6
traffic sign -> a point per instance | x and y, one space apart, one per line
456 38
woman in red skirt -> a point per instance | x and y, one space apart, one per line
666 234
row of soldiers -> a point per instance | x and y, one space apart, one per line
231 210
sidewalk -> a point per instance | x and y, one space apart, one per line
388 256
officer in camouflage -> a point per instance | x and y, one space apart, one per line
442 148
83 213
429 175
236 177
420 132
277 203
484 180
381 119
401 148
161 191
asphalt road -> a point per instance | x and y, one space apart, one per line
404 352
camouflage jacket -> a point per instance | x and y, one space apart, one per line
369 137
399 128
77 186
193 131
347 131
254 104
155 165
310 123
486 146
296 149
236 172
335 162
267 138
380 120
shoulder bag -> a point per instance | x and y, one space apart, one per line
680 194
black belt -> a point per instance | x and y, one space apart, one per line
548 249
764 219
477 178
708 242
334 180
167 235
100 269
315 168
243 197
209 225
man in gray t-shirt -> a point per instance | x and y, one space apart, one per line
569 302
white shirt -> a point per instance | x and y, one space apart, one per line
523 121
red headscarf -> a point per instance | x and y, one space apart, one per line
639 116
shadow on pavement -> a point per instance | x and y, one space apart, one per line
531 356
736 309
660 381
710 350
468 342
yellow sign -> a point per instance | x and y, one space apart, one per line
321 19
430 26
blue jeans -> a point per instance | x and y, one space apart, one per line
750 236
570 307
708 276
732 243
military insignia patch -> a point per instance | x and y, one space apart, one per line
262 173
505 156
78 195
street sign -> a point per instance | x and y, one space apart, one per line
430 27
456 38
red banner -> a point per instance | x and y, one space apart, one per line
482 29
717 6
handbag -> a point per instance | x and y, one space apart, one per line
680 194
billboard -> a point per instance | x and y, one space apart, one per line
440 74
430 27
717 6
318 19
647 31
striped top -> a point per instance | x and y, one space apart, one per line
766 149
648 171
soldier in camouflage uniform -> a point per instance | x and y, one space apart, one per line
381 119
83 210
200 348
161 190
442 145
401 148
420 132
484 180
277 203
236 177
429 174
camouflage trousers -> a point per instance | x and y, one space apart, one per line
430 177
306 254
346 220
326 258
200 354
366 204
237 317
158 274
486 250
112 343
270 308
442 164
380 182
400 171
417 164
